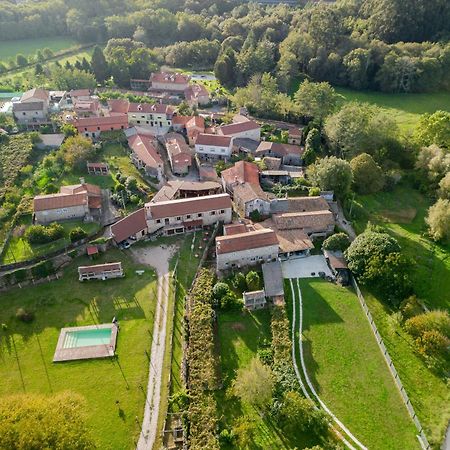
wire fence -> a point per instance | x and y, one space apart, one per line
421 435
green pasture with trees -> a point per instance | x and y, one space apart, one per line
29 47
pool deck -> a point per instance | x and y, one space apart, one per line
88 352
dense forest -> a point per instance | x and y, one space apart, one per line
386 45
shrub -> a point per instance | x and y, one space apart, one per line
24 316
220 290
253 281
43 269
433 343
76 234
410 307
239 282
255 216
314 192
429 321
20 275
39 234
337 241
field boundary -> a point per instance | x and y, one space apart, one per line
421 436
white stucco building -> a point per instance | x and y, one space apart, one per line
213 147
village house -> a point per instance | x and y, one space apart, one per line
254 300
187 214
144 155
212 147
87 108
241 172
32 108
153 115
176 189
338 266
243 245
93 126
295 136
97 168
100 271
289 154
242 129
196 95
77 95
179 153
192 126
133 226
80 201
169 82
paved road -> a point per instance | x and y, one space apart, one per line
157 257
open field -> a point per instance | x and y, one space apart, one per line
113 388
19 249
9 49
240 334
346 367
402 212
404 108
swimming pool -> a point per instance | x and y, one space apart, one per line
86 338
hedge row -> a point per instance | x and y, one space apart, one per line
202 379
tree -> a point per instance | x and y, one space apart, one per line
35 421
372 242
67 79
77 150
312 146
225 68
253 281
433 163
99 65
21 60
299 413
444 186
244 430
76 234
359 127
220 290
337 241
429 321
38 69
331 174
367 175
316 100
239 281
69 130
254 384
438 220
434 129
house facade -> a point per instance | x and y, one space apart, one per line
179 153
32 107
169 82
196 95
249 198
153 115
187 214
212 147
92 126
248 129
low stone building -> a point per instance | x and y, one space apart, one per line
100 271
97 168
254 300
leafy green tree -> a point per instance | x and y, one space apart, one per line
244 430
337 241
76 234
69 130
253 281
254 383
34 421
331 173
316 100
444 186
67 79
77 150
367 175
434 129
220 290
225 68
21 60
239 281
312 146
438 220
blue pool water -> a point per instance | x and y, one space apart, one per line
86 338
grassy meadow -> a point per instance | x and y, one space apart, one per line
347 369
27 47
114 388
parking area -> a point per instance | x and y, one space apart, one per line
305 267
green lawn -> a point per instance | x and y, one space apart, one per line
404 108
240 334
9 49
19 249
346 367
26 350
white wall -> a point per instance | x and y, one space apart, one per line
246 257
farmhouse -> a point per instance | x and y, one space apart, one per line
87 108
289 154
176 189
169 82
100 271
154 115
179 153
133 226
243 245
213 147
32 107
93 126
196 95
145 156
241 172
179 216
245 129
80 201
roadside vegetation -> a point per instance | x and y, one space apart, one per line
113 388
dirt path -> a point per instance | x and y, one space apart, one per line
157 257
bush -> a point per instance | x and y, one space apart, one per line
76 234
429 321
239 282
220 290
433 343
43 269
39 234
337 241
253 281
410 307
24 316
20 275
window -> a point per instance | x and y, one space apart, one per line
199 215
188 216
166 221
85 129
222 211
212 213
24 114
158 220
178 218
98 128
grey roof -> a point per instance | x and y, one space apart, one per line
29 106
51 140
273 279
246 143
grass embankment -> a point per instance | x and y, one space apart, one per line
26 350
27 47
19 249
402 212
347 369
240 335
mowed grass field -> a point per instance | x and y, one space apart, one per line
347 369
9 49
240 334
404 108
114 388
402 213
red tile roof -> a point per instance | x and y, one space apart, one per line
93 124
246 241
91 250
236 128
169 77
91 189
56 201
241 172
149 108
145 149
99 268
234 228
118 105
34 94
195 91
278 149
181 120
195 122
180 207
129 226
213 140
